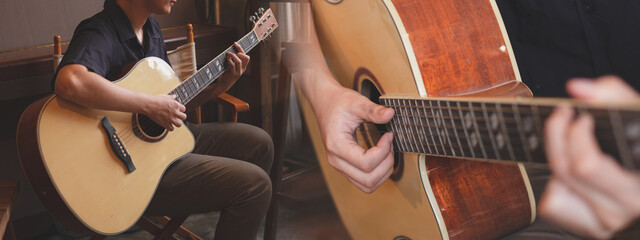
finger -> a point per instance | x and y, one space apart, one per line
364 160
607 88
370 111
177 122
245 60
238 47
369 179
561 206
168 126
172 96
181 108
237 63
233 62
555 138
366 189
585 152
181 116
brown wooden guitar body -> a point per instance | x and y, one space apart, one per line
424 48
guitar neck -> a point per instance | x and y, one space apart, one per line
190 87
502 129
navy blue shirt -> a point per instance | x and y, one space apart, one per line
106 42
555 40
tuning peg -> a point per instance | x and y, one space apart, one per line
260 11
253 19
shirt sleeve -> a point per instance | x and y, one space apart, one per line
91 47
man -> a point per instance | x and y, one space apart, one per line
226 171
553 42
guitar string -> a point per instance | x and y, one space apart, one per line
405 123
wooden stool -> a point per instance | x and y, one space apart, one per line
8 193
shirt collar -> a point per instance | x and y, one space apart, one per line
122 23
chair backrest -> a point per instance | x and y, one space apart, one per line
57 52
183 58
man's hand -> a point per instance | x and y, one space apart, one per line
338 119
165 111
238 63
588 193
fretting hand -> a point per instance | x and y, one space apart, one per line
588 193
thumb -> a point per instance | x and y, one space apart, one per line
607 88
374 113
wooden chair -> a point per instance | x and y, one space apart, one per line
8 194
183 61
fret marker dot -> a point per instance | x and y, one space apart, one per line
494 121
474 139
533 142
528 124
500 140
467 120
633 131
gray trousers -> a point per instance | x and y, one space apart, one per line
226 172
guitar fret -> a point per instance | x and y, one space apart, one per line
477 131
429 127
190 88
437 128
195 82
617 125
521 132
415 117
444 127
464 127
539 133
493 143
421 115
401 136
408 127
392 122
455 131
505 132
199 79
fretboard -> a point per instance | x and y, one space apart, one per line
190 87
510 130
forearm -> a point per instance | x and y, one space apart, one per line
75 83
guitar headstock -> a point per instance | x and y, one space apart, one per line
264 22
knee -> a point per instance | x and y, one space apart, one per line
259 188
263 149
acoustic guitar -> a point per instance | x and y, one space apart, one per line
436 63
97 170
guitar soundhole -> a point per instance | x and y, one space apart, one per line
146 129
401 238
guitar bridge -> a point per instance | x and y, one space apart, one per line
117 146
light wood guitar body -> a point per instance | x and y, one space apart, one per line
90 186
424 48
